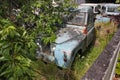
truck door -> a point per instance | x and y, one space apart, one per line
90 28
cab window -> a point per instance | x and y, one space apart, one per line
78 18
90 18
90 21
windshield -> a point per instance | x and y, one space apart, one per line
77 19
111 9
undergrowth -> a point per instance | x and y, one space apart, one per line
82 63
118 66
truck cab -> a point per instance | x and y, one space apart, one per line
78 33
96 7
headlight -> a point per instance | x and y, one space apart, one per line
53 46
38 42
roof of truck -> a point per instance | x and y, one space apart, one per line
84 8
90 4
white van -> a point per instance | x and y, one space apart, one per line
110 9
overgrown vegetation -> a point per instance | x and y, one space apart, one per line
21 21
118 67
17 50
82 63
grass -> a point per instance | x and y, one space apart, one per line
117 70
102 38
82 63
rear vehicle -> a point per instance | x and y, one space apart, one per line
76 36
110 9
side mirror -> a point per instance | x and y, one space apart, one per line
95 18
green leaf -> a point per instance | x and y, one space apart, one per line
3 59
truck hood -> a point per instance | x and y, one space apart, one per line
68 34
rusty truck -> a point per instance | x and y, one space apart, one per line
75 37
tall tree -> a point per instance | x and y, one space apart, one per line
21 21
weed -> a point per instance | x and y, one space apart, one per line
118 66
82 63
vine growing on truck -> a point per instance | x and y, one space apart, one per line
20 23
